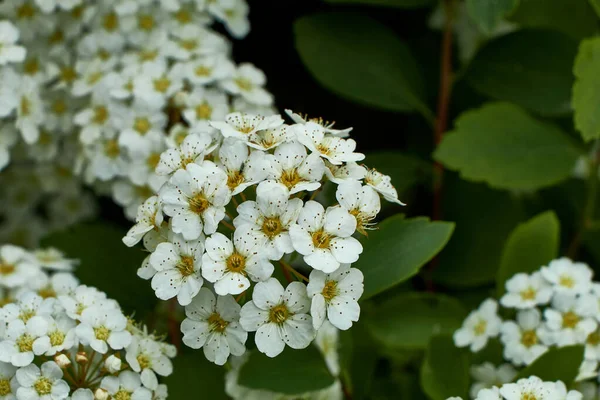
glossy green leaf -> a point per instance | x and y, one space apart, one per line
360 59
398 249
472 256
103 257
488 13
531 68
410 319
573 17
307 368
586 91
531 245
596 5
387 3
557 364
502 145
194 369
445 370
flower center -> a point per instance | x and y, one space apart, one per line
47 292
321 239
94 77
110 22
26 11
216 323
183 16
112 149
59 107
31 66
147 55
279 314
25 343
57 338
100 115
6 269
5 387
290 178
566 281
153 160
144 361
189 44
594 338
570 320
68 74
236 263
198 203
186 266
162 84
234 179
203 111
272 227
25 106
480 328
146 22
26 315
528 294
43 386
122 395
330 290
244 84
142 125
202 71
528 396
529 338
102 333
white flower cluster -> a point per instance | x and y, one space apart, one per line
60 339
556 306
527 388
96 90
236 202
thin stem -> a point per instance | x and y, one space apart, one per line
243 196
173 324
237 299
587 218
286 272
288 267
316 193
234 201
228 225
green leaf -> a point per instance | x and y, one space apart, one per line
292 372
362 60
586 91
531 245
103 258
445 370
387 3
397 249
410 319
488 13
531 68
573 17
406 170
596 5
557 364
472 256
194 369
503 146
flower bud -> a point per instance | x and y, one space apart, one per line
81 358
62 361
112 364
100 394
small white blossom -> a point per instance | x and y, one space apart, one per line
103 326
526 291
336 150
44 383
486 376
567 276
10 52
480 325
525 340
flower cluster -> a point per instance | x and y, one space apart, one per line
236 202
93 91
60 339
556 306
527 388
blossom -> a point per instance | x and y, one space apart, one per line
292 167
533 387
103 326
127 385
243 169
336 150
486 376
213 324
524 341
42 383
382 184
570 319
526 291
10 52
145 356
279 316
480 325
567 276
193 148
241 126
24 340
362 202
248 81
149 216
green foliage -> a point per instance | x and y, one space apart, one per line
503 146
531 68
360 59
586 91
307 368
395 252
541 233
408 320
103 257
596 5
558 363
488 14
445 370
387 3
194 369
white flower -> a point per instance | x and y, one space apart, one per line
9 51
8 381
145 356
345 172
532 388
228 264
489 394
42 384
383 184
243 169
267 139
27 306
103 326
193 149
203 105
149 216
327 126
196 199
23 341
486 376
144 161
270 218
213 325
587 370
53 259
526 291
480 325
278 316
336 150
113 364
335 296
568 277
155 84
178 269
324 237
234 14
142 123
327 340
61 331
243 126
97 119
9 85
362 202
525 340
563 394
248 81
30 111
293 168
570 320
592 346
82 298
128 385
208 69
